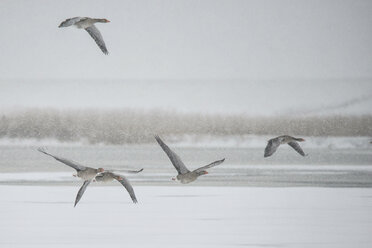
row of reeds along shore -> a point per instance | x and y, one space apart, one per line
135 126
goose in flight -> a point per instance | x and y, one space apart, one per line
108 176
184 175
273 144
84 172
88 24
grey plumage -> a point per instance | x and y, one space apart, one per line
273 144
105 177
87 23
126 171
174 158
215 163
297 147
271 147
84 172
125 182
184 175
81 191
109 176
71 21
78 167
96 35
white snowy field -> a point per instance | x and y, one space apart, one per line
186 216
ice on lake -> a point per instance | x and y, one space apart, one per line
341 162
322 200
184 216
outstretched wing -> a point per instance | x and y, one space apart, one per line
81 191
125 182
297 147
126 171
70 163
96 35
174 158
215 163
70 21
271 147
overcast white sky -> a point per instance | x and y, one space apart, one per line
189 39
280 53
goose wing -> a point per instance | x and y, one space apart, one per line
125 182
126 171
297 147
271 147
174 158
71 21
70 163
81 191
215 163
96 35
132 171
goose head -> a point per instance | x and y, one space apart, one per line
202 173
104 20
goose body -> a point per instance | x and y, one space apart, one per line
273 144
110 176
184 175
189 177
88 173
87 23
85 173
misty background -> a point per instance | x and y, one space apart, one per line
186 67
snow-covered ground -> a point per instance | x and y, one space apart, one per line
186 216
332 208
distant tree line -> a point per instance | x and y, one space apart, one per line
136 126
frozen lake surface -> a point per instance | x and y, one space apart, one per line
186 216
322 200
347 166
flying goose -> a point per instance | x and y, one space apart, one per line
84 172
273 144
108 176
87 23
184 175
